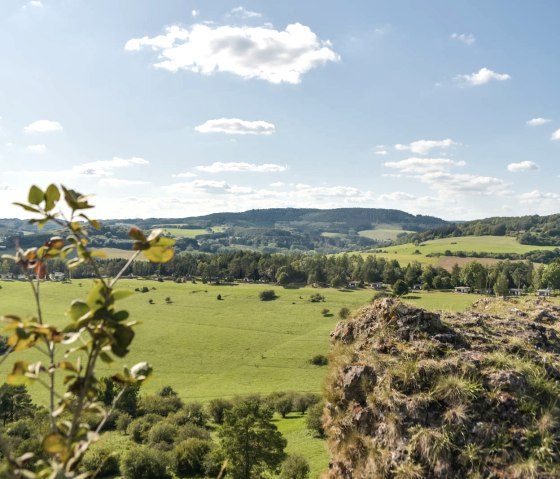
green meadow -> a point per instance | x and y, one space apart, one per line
407 253
383 234
191 233
206 348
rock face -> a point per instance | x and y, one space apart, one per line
412 394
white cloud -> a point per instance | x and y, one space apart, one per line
422 147
523 166
538 121
537 196
481 77
118 182
235 126
556 135
277 184
249 52
466 38
422 165
244 13
103 168
195 13
397 196
186 174
450 184
36 148
220 167
43 126
381 152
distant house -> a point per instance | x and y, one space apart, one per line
544 292
463 289
417 287
57 276
377 286
353 284
515 292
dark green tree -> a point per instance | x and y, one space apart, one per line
400 288
250 440
15 403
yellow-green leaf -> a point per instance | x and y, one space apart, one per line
77 309
35 195
54 443
159 254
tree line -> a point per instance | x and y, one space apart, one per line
324 270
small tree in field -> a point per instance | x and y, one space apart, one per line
267 295
400 288
97 330
250 440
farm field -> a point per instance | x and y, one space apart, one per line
191 233
383 234
406 253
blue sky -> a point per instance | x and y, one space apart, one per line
181 108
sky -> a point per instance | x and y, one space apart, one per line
181 108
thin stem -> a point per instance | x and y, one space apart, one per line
5 355
121 272
110 411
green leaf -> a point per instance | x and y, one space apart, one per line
121 315
26 207
54 443
122 337
35 195
52 195
158 254
17 376
105 357
119 294
77 309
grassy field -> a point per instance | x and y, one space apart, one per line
191 233
382 234
207 348
407 253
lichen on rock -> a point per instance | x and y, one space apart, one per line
413 394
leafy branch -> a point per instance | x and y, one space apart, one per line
97 330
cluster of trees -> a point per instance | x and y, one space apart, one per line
534 229
335 271
173 439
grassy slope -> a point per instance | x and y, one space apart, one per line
383 234
404 253
207 348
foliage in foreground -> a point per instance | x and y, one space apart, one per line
98 330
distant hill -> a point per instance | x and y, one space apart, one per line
270 230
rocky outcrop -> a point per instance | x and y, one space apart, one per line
414 394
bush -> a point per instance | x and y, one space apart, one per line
143 463
189 456
316 298
140 427
283 404
160 405
219 297
319 360
103 461
343 313
325 311
314 418
192 413
267 295
217 409
122 422
162 435
302 402
188 431
294 467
